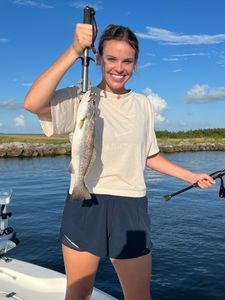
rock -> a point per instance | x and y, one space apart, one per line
3 150
14 149
36 149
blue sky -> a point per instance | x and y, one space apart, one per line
181 66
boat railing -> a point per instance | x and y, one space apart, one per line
8 238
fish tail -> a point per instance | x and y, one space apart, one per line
80 193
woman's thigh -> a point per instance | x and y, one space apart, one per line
81 268
135 276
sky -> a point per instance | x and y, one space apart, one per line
181 66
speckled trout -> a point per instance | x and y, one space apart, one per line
83 152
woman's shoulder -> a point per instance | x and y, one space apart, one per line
143 99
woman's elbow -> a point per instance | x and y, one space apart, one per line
30 106
27 105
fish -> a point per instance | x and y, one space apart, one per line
83 151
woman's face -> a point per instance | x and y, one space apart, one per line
118 63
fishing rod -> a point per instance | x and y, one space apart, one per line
215 175
89 18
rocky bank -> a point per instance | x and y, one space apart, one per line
21 150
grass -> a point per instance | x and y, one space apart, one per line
198 140
32 138
40 138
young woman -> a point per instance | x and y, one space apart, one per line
115 222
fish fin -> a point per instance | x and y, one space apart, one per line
81 122
80 193
71 168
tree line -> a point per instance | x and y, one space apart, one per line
216 133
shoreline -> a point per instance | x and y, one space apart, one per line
26 150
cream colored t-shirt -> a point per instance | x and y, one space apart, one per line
124 138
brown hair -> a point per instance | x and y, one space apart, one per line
121 33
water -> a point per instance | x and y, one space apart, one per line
187 232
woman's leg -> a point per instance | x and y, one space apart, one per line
80 268
135 276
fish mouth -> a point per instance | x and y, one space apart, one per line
92 97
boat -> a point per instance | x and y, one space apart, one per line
23 280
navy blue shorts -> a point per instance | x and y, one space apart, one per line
106 225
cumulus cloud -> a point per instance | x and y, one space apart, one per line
159 104
174 38
32 3
10 104
201 93
81 4
19 121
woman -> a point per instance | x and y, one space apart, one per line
115 221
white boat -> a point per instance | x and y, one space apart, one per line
25 281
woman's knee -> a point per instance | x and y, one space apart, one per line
73 293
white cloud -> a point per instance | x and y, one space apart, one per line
81 4
151 54
174 38
171 59
32 3
27 84
147 65
159 105
191 54
177 70
10 104
201 93
19 121
3 40
1 124
221 59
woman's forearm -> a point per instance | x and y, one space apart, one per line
162 165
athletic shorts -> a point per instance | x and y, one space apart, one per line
106 225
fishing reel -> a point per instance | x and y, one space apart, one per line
222 188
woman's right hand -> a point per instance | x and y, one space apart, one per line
82 38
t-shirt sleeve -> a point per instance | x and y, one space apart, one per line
152 145
64 104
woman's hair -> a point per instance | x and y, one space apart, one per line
121 33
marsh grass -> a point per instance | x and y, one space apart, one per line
32 138
40 138
200 140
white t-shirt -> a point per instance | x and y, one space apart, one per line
124 138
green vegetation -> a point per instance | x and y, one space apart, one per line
216 134
192 136
32 138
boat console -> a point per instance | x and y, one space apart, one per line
8 238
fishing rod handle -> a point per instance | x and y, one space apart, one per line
217 174
87 15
